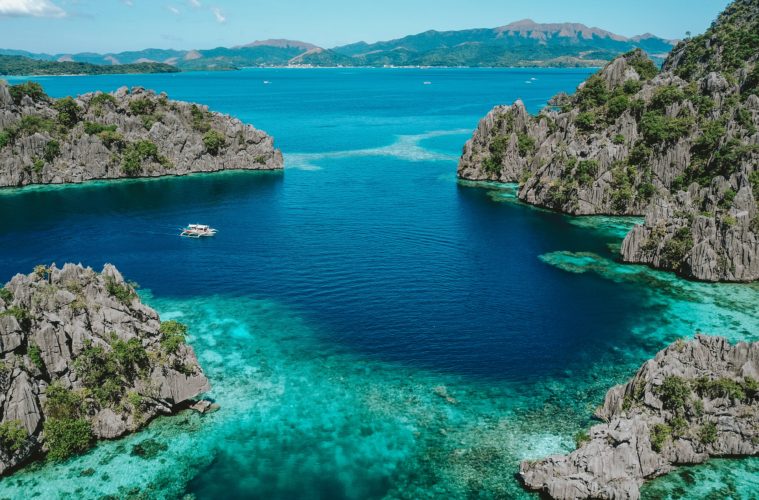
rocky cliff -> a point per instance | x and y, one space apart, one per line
129 133
694 400
679 146
81 358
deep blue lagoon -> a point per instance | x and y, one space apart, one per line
347 296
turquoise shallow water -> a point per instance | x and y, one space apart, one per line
371 327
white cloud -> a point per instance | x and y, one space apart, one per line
174 10
128 3
34 8
219 15
194 3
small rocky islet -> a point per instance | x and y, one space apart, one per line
128 133
679 146
692 401
83 359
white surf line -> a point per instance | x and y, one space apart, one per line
405 147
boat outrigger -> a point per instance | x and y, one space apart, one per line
198 231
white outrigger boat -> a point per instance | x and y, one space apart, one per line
198 231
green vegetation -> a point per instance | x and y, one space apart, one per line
660 435
108 134
581 438
622 194
62 403
69 112
107 371
674 393
93 128
19 65
679 426
100 372
586 172
67 437
644 66
201 120
618 139
666 96
708 433
639 155
21 315
525 144
13 436
32 89
586 121
52 151
617 105
173 335
214 142
660 129
725 46
142 106
37 166
721 388
130 355
6 295
631 87
676 249
35 354
66 432
101 100
120 291
594 93
138 152
754 180
32 124
561 192
112 139
497 148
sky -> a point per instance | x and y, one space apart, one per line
67 26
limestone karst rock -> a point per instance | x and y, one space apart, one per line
79 347
694 400
129 133
680 146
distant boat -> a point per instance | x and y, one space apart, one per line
428 83
198 231
266 82
533 78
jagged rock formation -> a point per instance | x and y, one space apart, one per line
694 400
680 147
81 358
125 134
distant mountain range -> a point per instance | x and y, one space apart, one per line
523 43
19 65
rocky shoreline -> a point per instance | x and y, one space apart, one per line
82 359
693 401
128 133
680 146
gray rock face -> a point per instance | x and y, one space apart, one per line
693 401
87 151
681 148
88 335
